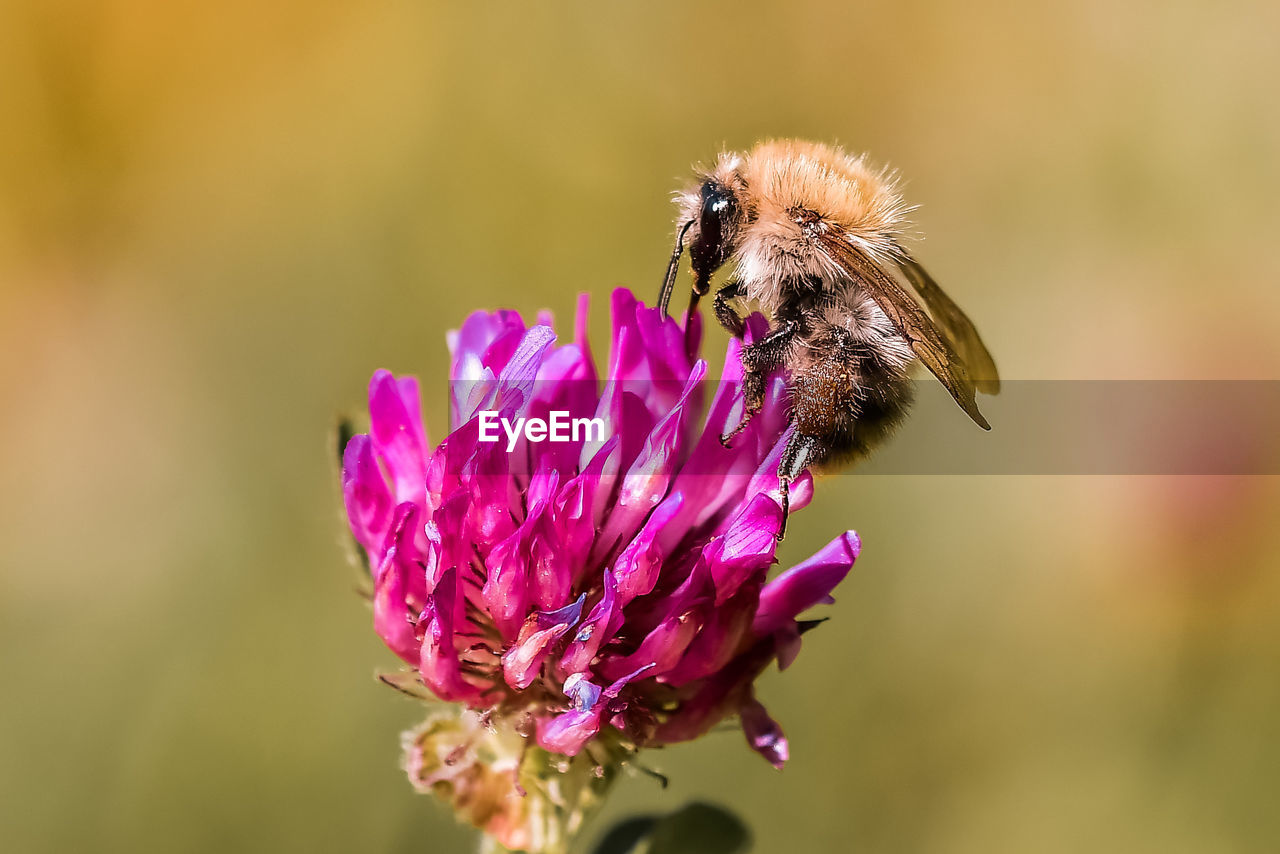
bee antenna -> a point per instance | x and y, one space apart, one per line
669 281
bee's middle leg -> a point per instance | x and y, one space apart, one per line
758 360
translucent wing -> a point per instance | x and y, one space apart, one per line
955 323
929 344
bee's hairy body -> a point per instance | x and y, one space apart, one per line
793 190
809 231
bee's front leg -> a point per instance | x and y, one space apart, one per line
752 401
758 359
725 313
701 287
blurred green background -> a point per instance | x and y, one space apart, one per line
216 220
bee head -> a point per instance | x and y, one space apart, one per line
715 230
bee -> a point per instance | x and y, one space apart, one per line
814 236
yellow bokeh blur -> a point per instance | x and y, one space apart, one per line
216 220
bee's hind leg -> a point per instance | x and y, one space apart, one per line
800 451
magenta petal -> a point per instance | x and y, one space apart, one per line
479 350
647 479
391 615
806 584
520 663
516 382
599 626
582 502
565 390
637 566
582 692
567 733
661 649
786 641
395 421
716 696
475 474
431 562
715 479
615 689
630 419
400 586
528 568
719 639
550 582
506 588
367 497
623 360
452 531
468 345
661 359
763 733
747 546
440 664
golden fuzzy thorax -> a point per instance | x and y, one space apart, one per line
783 184
843 190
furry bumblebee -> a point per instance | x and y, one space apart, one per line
814 239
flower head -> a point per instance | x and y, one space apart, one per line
604 592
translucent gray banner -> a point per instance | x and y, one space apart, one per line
1039 427
1093 427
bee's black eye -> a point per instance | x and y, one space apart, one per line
710 248
716 201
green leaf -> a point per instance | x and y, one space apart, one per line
626 836
699 828
696 828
